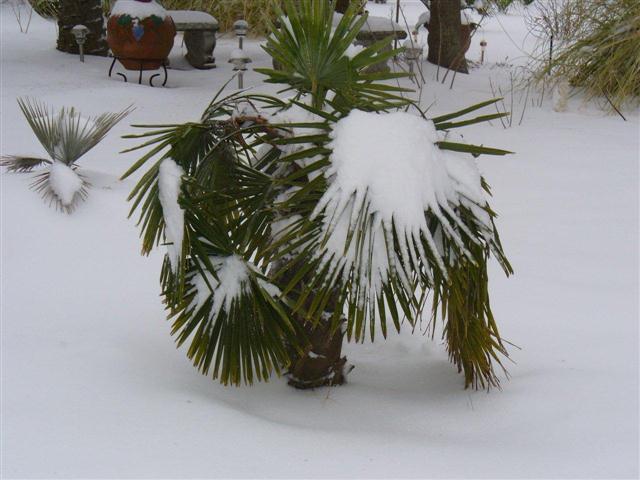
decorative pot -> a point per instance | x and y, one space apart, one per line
140 34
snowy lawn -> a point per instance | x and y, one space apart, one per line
92 385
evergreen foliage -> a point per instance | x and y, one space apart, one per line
254 269
66 136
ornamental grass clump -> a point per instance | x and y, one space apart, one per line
340 211
66 136
596 47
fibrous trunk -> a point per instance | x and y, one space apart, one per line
82 12
445 44
320 363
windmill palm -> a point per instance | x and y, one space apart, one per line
274 256
66 136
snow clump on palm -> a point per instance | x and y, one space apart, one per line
169 181
64 183
387 170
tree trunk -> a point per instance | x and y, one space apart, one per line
321 363
82 12
445 45
341 6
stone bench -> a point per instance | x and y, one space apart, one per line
199 36
376 29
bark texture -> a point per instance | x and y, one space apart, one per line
321 363
341 6
446 46
82 12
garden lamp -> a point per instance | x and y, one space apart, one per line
412 51
80 33
239 59
483 45
241 28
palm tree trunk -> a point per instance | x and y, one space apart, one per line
82 12
322 362
445 44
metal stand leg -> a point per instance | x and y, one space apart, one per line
141 69
166 76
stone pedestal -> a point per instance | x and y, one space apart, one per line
376 29
199 36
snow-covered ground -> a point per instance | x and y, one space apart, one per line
92 385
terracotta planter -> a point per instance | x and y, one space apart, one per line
140 43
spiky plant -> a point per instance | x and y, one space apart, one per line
274 254
66 136
595 46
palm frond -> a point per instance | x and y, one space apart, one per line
66 136
259 198
22 164
311 51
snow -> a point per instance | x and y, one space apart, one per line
138 9
93 387
64 182
466 18
169 181
185 17
233 277
353 50
389 164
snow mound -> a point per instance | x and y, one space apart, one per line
138 9
64 183
394 183
169 181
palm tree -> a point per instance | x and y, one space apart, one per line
82 12
265 270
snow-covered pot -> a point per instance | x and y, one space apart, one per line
140 34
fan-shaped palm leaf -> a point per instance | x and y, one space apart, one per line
66 136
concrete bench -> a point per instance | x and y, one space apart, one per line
374 30
199 36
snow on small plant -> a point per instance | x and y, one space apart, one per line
66 136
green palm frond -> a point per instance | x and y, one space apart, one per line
256 172
311 49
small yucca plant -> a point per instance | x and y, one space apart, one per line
66 136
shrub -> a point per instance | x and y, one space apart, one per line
291 222
595 46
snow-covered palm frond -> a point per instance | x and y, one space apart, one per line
66 136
